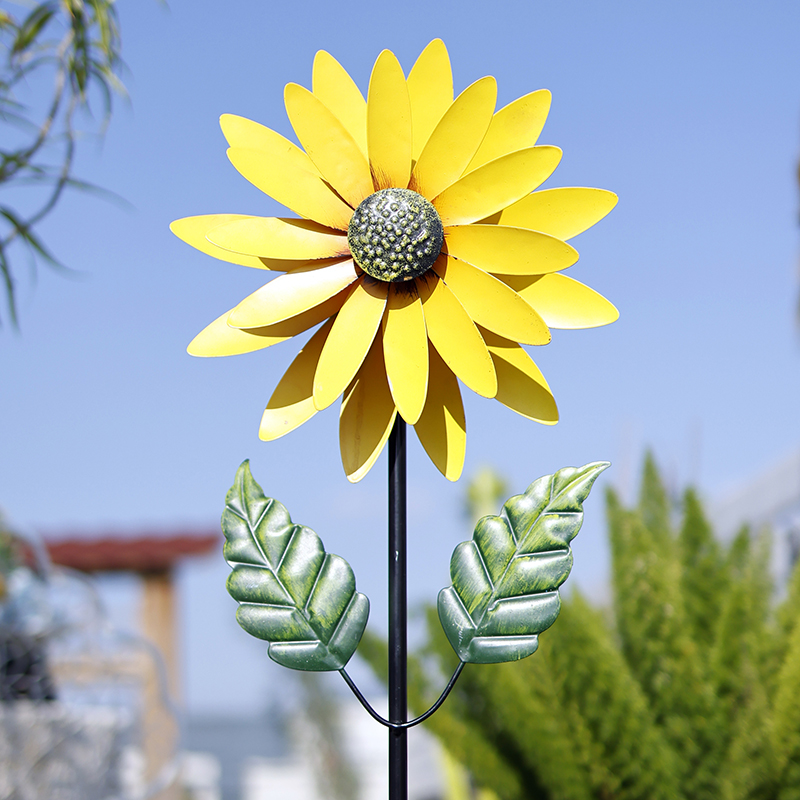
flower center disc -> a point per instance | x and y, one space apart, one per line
395 235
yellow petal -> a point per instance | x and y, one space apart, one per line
292 294
329 144
287 264
219 339
331 83
563 212
389 124
509 251
442 428
496 185
514 127
521 385
303 192
430 90
455 139
278 238
492 304
405 351
193 230
564 302
366 416
244 133
353 332
455 336
292 402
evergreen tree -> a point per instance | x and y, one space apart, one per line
702 571
688 687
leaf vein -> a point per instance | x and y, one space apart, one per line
265 605
343 615
316 582
488 578
252 529
466 612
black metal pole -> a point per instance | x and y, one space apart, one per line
398 612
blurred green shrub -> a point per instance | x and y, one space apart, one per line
688 686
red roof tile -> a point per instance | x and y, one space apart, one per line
146 553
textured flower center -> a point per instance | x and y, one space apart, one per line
395 235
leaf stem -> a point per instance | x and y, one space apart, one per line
410 723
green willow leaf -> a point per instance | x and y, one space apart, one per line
505 581
32 27
292 593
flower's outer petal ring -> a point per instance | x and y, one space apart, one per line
292 403
366 417
455 337
389 124
292 294
352 335
563 212
329 144
521 385
405 351
564 302
430 90
509 251
219 339
455 139
442 427
303 192
280 238
491 303
193 231
495 185
514 127
243 132
334 87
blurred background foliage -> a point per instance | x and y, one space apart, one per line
56 56
687 686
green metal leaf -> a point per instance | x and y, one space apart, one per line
292 593
505 581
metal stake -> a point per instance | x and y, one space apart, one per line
398 612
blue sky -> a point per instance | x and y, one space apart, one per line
689 111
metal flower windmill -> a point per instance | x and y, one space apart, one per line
425 255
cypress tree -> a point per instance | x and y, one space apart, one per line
654 505
786 726
655 631
688 687
703 577
633 759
